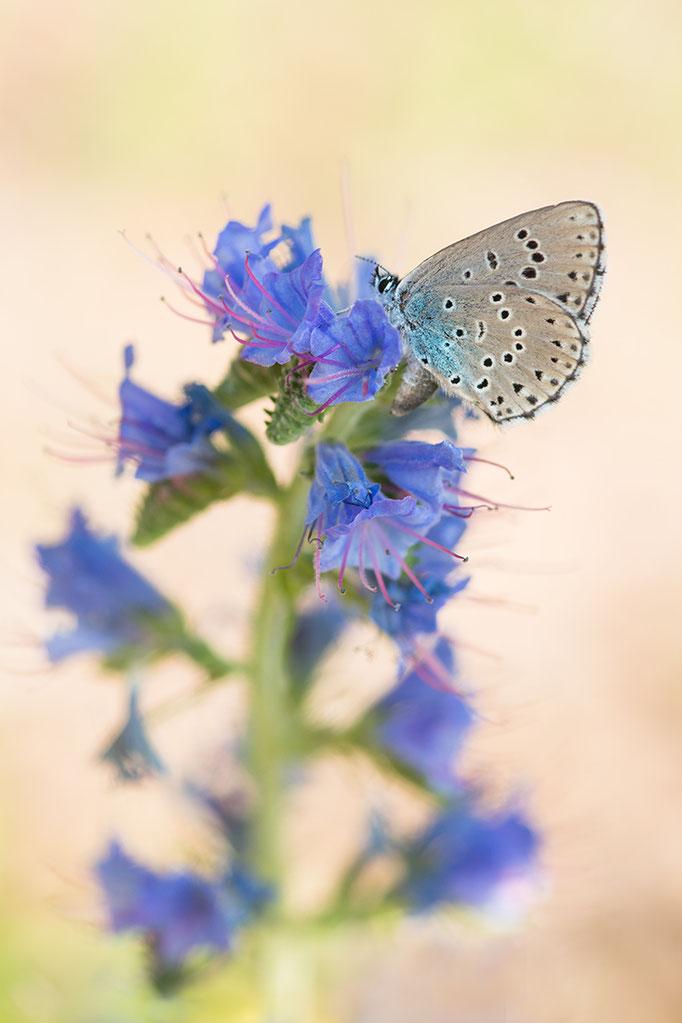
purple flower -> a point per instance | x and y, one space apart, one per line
463 857
164 440
353 355
131 752
413 615
421 469
176 912
425 726
356 525
115 607
315 631
234 241
280 321
299 243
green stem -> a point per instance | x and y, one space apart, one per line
272 704
287 982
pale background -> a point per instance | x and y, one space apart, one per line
443 117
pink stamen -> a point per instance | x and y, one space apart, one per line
403 564
466 511
204 298
361 561
316 563
346 552
184 316
269 297
329 401
260 343
254 317
378 576
431 543
209 255
496 504
486 461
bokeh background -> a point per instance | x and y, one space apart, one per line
435 119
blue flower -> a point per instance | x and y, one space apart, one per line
421 469
356 525
463 857
314 633
176 912
425 726
131 752
164 440
299 243
414 615
115 607
234 241
280 321
353 355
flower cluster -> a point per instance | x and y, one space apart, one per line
384 511
271 295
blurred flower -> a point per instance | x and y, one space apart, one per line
164 440
352 355
131 752
315 631
463 857
115 607
425 726
175 912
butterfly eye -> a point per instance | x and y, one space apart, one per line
383 284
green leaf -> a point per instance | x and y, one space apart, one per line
246 382
242 468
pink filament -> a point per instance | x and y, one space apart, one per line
269 297
431 543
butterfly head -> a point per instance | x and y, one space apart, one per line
384 283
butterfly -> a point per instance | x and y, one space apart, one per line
500 319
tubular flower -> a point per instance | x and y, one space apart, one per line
281 318
413 614
427 471
426 726
352 355
234 241
463 857
164 440
175 912
115 607
131 753
357 526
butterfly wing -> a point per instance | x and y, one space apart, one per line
506 350
555 251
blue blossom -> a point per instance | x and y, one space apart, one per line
463 857
164 440
131 752
314 633
425 726
176 912
421 469
115 607
299 243
414 614
353 355
356 525
234 241
280 322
